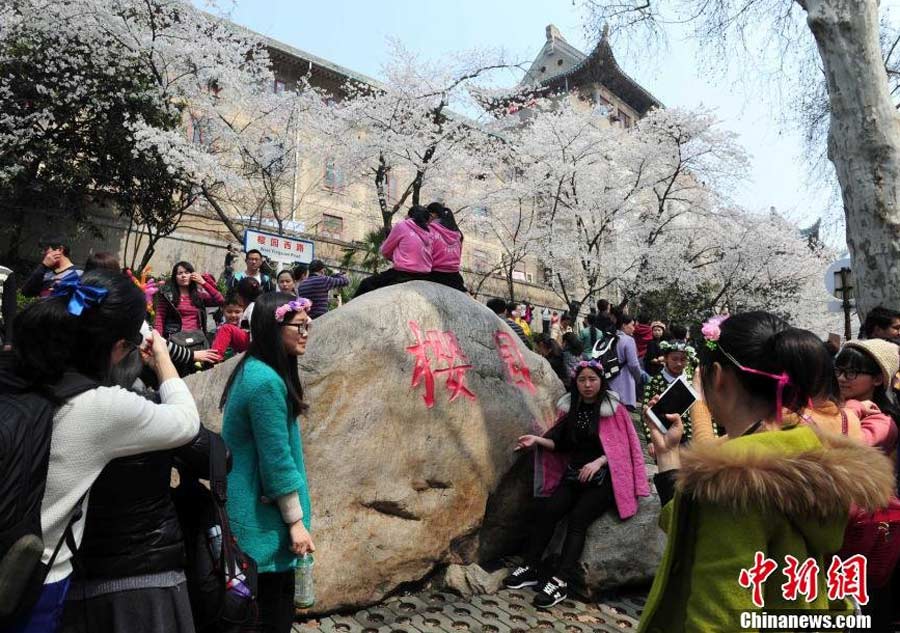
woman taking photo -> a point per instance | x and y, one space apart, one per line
268 499
88 326
181 304
783 492
590 461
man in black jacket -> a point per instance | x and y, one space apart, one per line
54 267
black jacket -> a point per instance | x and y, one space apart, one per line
131 526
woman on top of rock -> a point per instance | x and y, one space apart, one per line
446 247
409 248
762 493
589 461
268 498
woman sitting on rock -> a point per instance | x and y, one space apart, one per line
446 247
409 248
730 505
591 460
268 497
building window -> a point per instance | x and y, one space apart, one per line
481 260
279 86
519 273
626 120
199 130
390 187
334 176
331 226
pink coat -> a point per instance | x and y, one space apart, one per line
409 247
447 249
622 449
878 428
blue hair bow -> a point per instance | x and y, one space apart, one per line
80 296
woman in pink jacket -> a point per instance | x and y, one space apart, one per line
587 463
409 248
447 248
864 371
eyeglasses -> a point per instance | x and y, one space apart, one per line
302 328
851 374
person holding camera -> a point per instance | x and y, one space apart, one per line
55 267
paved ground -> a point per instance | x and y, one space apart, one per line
503 612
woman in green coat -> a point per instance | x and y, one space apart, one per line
268 499
777 493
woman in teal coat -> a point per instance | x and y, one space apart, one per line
268 499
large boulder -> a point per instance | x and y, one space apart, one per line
417 394
618 554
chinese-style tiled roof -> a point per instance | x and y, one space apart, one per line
600 66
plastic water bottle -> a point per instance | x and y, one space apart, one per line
214 536
304 593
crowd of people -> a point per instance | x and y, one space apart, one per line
786 436
789 443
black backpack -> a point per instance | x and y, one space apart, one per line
221 578
26 426
605 350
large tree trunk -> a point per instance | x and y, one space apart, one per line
863 143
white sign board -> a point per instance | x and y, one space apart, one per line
280 248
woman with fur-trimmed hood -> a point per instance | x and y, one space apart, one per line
778 492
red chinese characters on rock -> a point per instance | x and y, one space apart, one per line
507 347
438 353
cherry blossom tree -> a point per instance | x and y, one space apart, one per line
407 133
96 95
863 136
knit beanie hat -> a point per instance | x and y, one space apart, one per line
885 353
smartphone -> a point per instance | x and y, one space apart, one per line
678 398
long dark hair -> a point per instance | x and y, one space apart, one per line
447 219
575 397
192 285
765 342
266 345
49 340
419 215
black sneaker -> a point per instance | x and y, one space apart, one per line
523 576
552 593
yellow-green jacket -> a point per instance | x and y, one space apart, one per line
779 492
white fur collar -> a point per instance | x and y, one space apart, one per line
607 405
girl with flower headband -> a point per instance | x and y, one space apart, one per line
588 462
771 488
268 498
678 358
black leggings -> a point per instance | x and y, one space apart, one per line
453 280
583 504
388 277
275 601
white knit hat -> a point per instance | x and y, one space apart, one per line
885 353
